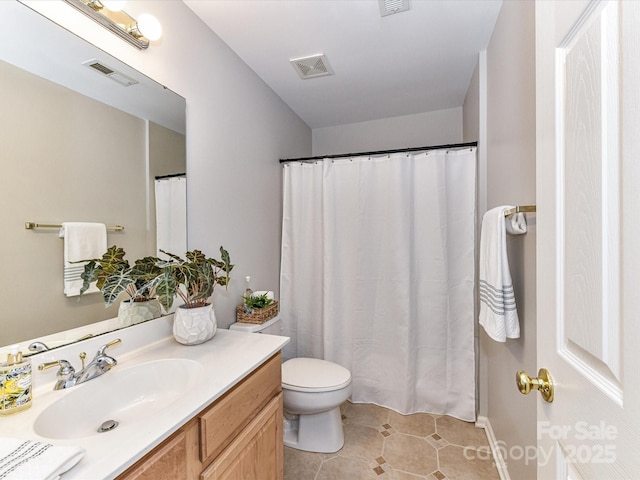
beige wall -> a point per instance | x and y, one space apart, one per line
48 179
167 151
511 180
423 129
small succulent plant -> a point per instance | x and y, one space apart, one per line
253 302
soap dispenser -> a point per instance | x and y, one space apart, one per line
15 383
247 292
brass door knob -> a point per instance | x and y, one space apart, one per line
543 383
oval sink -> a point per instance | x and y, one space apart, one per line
126 396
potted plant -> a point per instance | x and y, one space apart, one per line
257 308
114 276
193 279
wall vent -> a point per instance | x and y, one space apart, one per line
313 66
389 7
110 73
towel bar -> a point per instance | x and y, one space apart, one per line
33 225
520 209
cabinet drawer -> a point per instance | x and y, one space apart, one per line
233 411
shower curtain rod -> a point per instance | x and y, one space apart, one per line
380 152
162 177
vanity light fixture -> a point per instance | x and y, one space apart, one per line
110 15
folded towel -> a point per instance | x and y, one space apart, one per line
82 241
29 460
498 313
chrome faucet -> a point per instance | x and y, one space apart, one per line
38 347
68 377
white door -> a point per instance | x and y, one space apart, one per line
588 195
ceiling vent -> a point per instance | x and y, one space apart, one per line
110 73
313 66
389 7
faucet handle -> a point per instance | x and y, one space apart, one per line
65 367
45 366
112 343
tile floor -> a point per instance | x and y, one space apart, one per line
384 445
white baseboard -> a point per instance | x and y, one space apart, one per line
483 422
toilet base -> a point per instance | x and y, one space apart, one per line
319 432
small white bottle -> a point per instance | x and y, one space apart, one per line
247 289
15 383
247 293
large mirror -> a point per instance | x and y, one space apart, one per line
78 144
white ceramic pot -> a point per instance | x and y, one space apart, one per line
130 313
192 326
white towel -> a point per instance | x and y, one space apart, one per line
498 313
515 224
29 460
82 241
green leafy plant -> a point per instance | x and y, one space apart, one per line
193 278
114 275
257 301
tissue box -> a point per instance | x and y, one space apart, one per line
257 315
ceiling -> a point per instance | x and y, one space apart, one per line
410 62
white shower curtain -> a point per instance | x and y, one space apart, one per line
171 215
378 275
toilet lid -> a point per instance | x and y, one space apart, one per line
312 374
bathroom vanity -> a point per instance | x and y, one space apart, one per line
209 411
237 436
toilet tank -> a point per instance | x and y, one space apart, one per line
272 327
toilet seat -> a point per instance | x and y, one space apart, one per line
314 375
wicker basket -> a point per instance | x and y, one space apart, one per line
259 315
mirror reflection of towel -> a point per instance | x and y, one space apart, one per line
82 241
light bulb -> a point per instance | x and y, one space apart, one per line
149 26
113 5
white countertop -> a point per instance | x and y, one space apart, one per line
227 359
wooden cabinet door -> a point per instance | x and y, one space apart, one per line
168 462
256 453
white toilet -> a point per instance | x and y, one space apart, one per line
313 391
